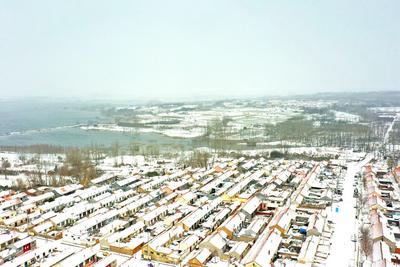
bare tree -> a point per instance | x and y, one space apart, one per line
5 164
89 174
217 132
115 151
198 159
19 185
366 241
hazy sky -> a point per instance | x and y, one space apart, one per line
94 48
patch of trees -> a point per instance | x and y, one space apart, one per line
36 149
197 159
217 133
298 156
79 165
302 131
276 154
152 174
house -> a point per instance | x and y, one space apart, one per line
376 202
194 219
16 220
62 220
12 204
130 247
58 204
173 186
158 248
282 221
8 238
252 232
43 228
85 257
40 199
67 189
104 179
189 243
200 258
233 225
250 208
380 229
308 250
24 245
126 234
187 198
109 261
316 224
216 243
239 250
264 249
155 215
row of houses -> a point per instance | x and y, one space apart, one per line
382 207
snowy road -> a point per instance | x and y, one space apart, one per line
343 249
387 134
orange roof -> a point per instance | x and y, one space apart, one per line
218 169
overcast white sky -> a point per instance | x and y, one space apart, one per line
167 49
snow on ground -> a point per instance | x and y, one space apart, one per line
348 117
194 132
174 132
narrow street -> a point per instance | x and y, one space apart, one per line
343 248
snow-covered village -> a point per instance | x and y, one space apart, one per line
207 133
258 199
241 212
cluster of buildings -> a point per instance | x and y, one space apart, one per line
242 212
381 215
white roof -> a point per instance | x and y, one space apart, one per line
41 197
80 257
107 261
63 200
154 213
44 227
233 222
264 249
4 238
216 240
61 217
239 248
51 261
23 242
202 255
251 206
126 232
127 181
68 188
160 240
103 178
15 218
